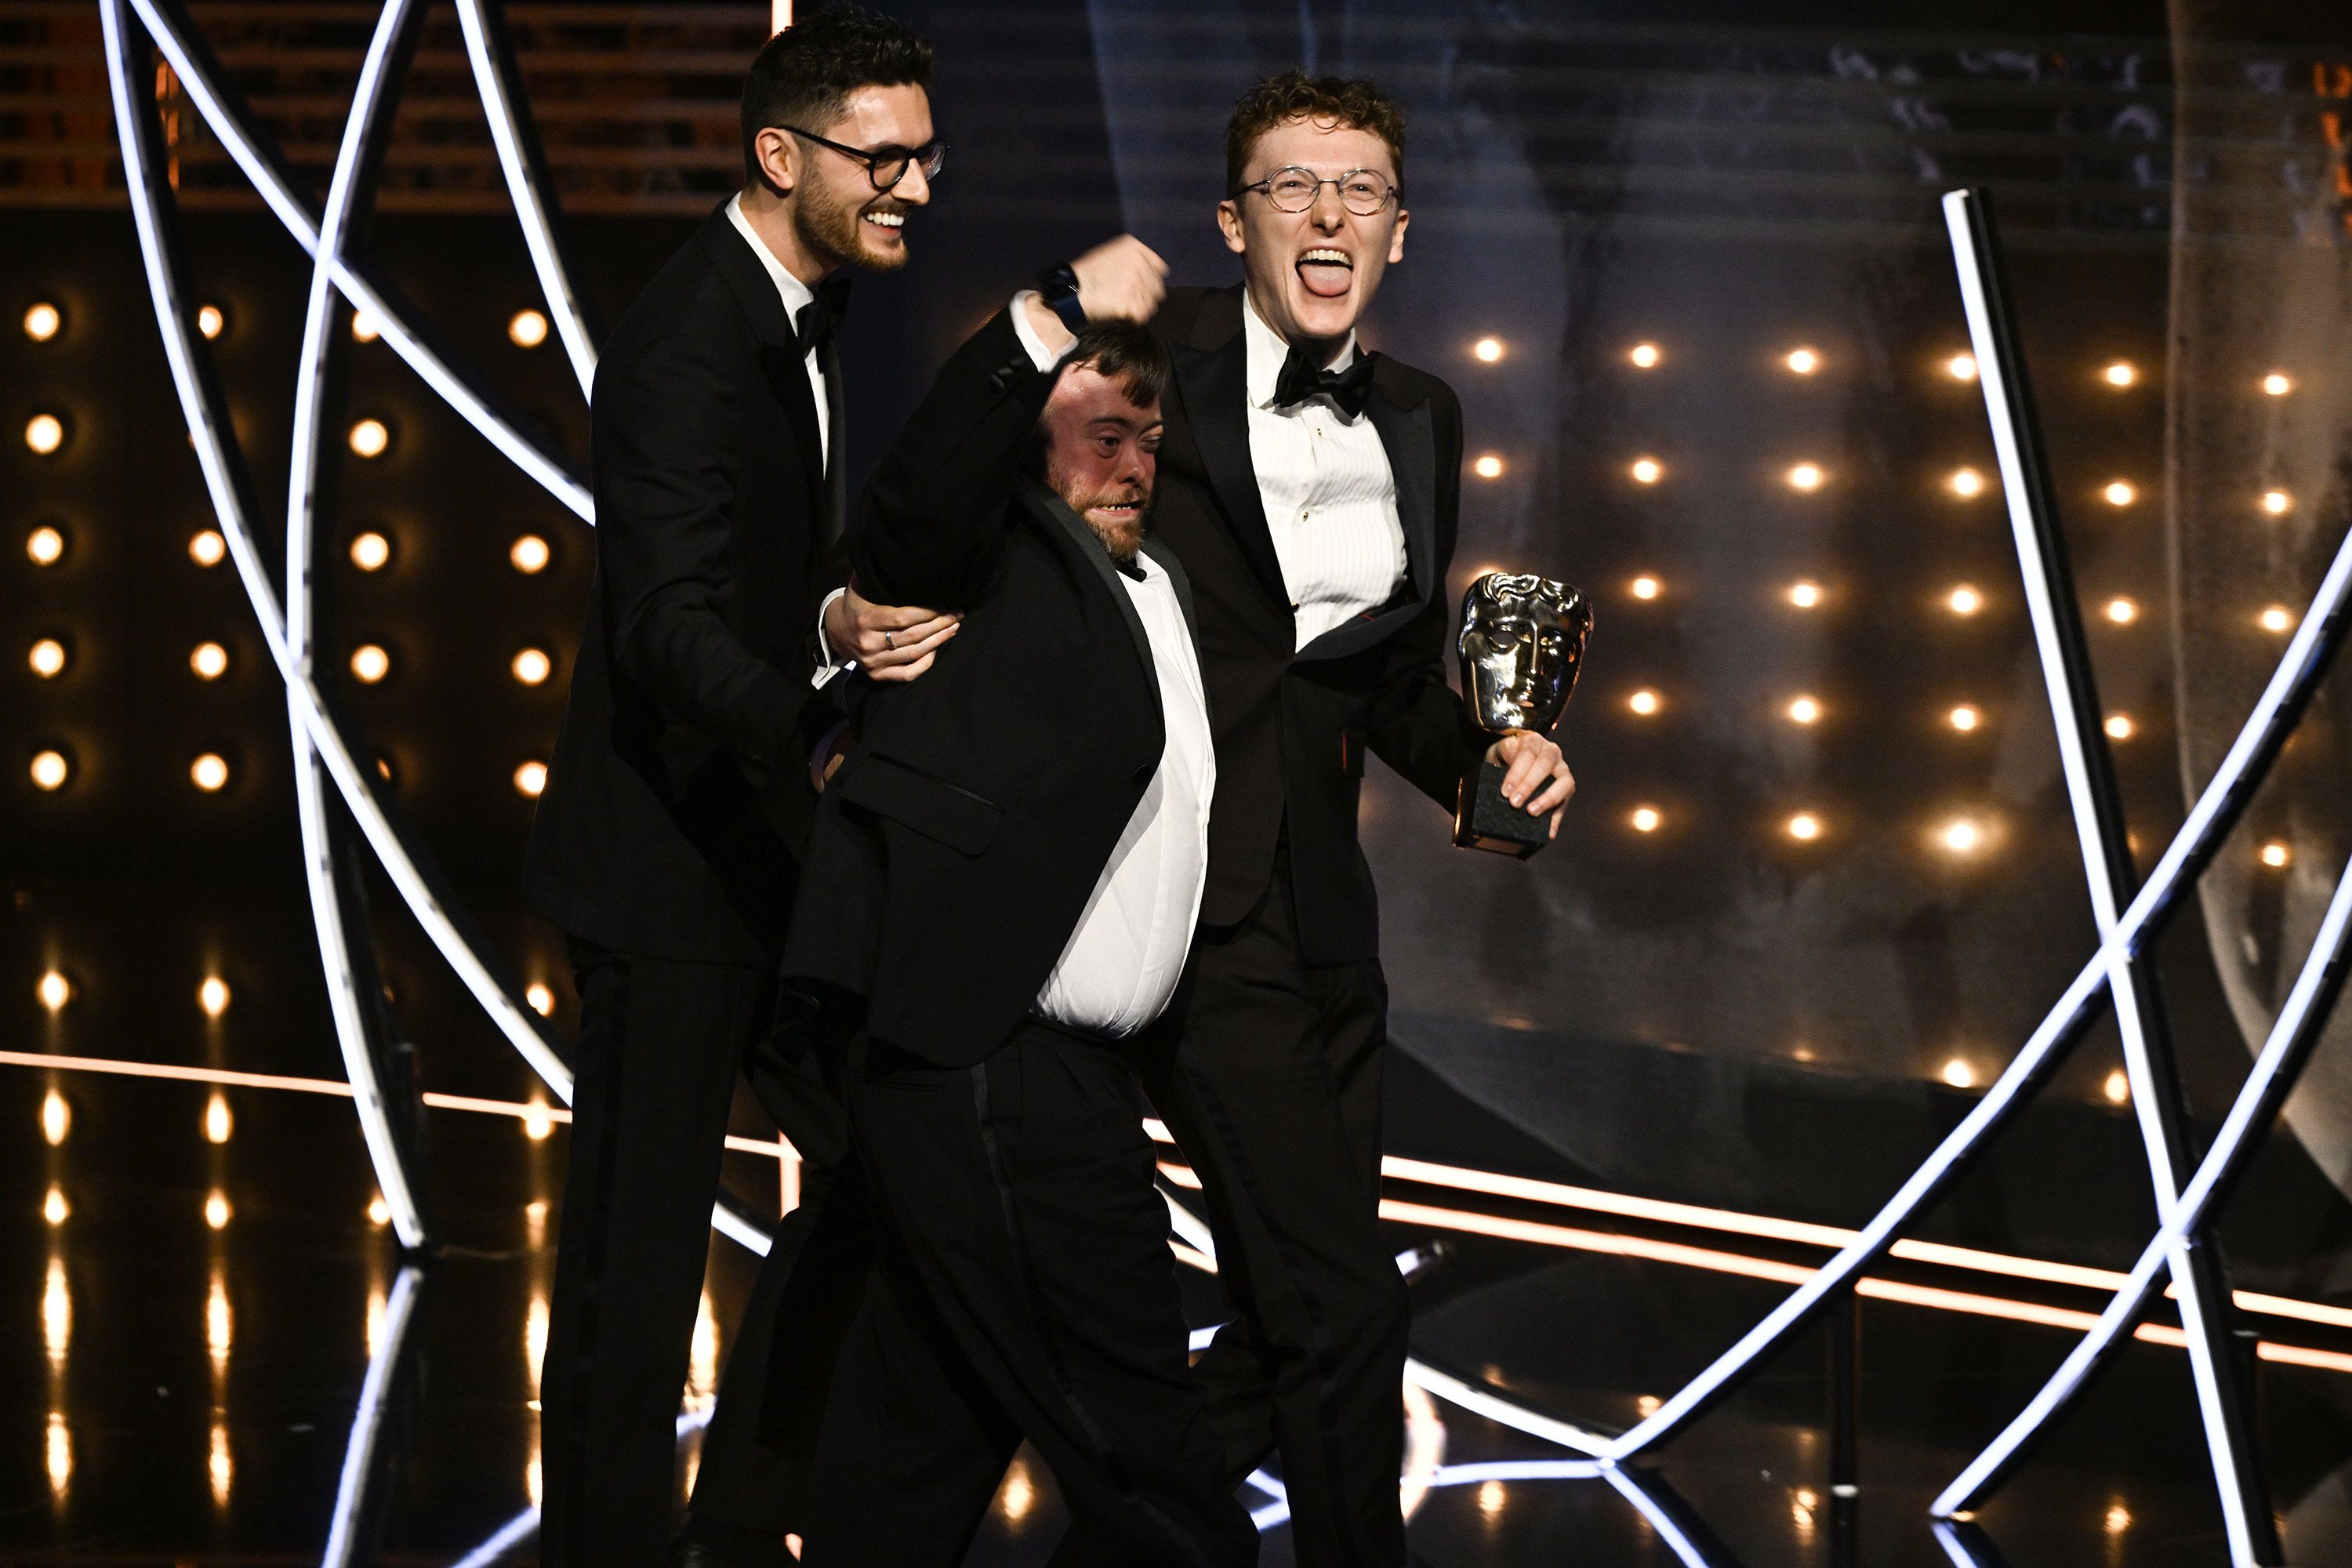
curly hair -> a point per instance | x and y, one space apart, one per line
1352 101
804 75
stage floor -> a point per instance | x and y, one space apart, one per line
181 1391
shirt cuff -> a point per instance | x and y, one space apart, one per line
1045 358
828 665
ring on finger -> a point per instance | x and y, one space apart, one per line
889 642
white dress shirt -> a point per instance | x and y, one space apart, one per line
1119 968
797 294
1329 494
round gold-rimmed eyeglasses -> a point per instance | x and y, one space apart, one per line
1363 192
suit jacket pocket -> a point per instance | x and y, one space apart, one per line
954 816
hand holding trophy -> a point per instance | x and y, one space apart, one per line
1521 645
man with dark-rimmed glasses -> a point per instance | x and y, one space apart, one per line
668 843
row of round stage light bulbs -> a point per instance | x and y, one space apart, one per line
50 768
45 433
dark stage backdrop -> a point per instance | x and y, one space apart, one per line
1695 1003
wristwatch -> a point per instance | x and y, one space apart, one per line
1058 287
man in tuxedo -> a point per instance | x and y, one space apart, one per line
1002 884
1311 490
667 842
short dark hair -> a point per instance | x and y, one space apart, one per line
1352 101
1125 350
804 75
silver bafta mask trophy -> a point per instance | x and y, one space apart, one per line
1522 643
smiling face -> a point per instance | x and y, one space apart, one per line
1101 455
838 218
1311 274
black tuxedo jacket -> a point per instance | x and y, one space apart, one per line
1293 724
678 793
957 847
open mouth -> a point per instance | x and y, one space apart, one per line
1116 510
1326 272
889 222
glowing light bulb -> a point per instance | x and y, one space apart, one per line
1964 600
1645 819
2277 384
1644 702
1966 483
1647 470
208 660
1487 350
1806 476
527 329
1488 466
2277 503
45 546
1960 835
2118 1519
529 779
49 770
2277 618
369 437
369 663
1018 1495
1805 710
379 1212
1645 588
218 1123
206 548
541 999
2121 610
209 772
53 990
537 1124
2119 726
2120 374
1964 718
1961 367
2120 492
1802 362
216 1210
2117 1089
47 658
56 1119
528 554
2275 855
212 995
366 328
54 1208
1959 1074
209 320
1804 594
1646 357
1491 1497
530 666
370 551
1804 827
42 321
45 433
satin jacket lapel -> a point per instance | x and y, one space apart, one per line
1213 378
1410 440
781 356
1082 539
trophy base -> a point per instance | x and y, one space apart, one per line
1484 820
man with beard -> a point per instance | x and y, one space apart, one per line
1002 890
667 842
1312 492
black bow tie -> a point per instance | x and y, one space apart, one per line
820 317
1347 389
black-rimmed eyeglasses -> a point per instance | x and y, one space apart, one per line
1363 192
886 166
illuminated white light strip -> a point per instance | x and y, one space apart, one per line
2282 1052
525 1525
344 1002
1670 1528
2027 530
531 210
455 389
367 1421
1955 1549
2218 806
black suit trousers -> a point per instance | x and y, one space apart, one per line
1274 1093
1024 1288
661 1045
